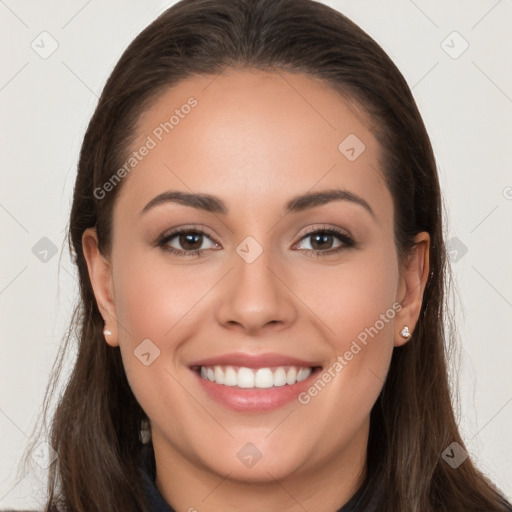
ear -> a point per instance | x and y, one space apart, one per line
100 275
413 280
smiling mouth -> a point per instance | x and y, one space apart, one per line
255 378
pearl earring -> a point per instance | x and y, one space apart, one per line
106 332
405 332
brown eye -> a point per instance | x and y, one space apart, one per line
190 241
327 241
321 241
187 242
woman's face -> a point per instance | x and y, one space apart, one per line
282 284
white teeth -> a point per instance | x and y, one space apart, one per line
291 376
245 378
230 377
279 377
304 373
219 375
255 378
264 378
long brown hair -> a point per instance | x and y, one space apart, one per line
96 427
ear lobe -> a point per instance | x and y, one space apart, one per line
413 280
100 275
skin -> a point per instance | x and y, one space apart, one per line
256 140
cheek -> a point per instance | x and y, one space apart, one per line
153 298
365 317
354 295
155 302
359 308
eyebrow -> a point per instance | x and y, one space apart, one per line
214 204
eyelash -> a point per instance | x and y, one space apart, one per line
346 240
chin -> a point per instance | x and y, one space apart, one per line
264 467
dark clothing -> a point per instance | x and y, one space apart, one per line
148 472
158 504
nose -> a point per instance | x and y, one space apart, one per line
256 296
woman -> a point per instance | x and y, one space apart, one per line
257 228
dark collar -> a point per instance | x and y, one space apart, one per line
148 472
157 502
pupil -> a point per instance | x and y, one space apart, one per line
188 239
194 240
322 238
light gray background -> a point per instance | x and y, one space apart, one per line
45 107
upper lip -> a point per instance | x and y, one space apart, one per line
254 360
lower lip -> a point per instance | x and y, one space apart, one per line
255 399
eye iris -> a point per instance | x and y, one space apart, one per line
191 241
322 238
187 239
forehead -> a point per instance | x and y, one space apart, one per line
251 137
